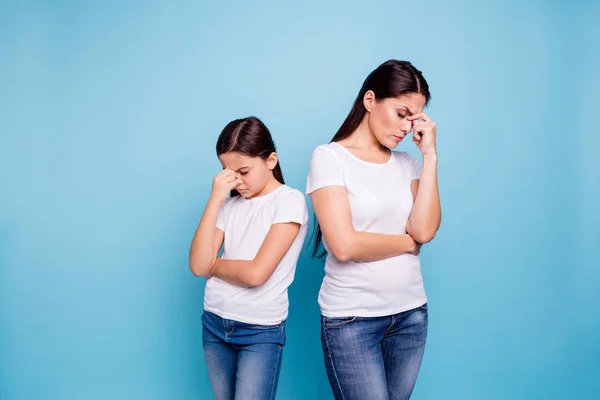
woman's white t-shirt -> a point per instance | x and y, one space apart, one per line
246 224
380 201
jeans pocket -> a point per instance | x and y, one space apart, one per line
264 327
337 322
422 309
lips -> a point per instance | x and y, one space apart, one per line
398 138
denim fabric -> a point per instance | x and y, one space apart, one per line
243 360
375 358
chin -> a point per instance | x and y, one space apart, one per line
392 144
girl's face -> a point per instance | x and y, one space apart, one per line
253 173
387 118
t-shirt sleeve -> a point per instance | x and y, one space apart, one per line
325 170
221 218
291 207
414 167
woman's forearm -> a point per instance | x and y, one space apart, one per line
426 214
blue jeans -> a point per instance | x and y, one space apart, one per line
374 358
243 360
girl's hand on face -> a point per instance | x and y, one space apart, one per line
223 183
424 133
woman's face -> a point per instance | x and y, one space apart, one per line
387 117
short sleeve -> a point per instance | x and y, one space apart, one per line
415 167
221 218
291 207
325 170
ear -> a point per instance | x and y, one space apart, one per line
272 161
369 100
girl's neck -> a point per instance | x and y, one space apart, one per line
269 187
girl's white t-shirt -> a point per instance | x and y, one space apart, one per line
380 200
246 224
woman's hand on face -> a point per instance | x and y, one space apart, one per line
424 133
223 183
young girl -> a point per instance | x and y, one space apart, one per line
376 207
262 226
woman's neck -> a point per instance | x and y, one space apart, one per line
363 138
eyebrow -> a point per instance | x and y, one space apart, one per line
239 169
408 111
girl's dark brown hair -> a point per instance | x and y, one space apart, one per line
250 137
393 78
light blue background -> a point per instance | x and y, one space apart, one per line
109 114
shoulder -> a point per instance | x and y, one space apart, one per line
326 147
327 153
409 163
403 156
289 194
230 203
329 148
290 206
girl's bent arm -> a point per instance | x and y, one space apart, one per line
207 241
253 273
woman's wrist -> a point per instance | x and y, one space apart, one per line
411 245
430 156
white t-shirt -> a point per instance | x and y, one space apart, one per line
246 224
380 201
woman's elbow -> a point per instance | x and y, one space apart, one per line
422 235
425 238
342 251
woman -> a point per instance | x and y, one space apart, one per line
375 208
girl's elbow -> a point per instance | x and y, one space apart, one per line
196 271
256 278
198 268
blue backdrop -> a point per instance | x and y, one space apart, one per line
109 113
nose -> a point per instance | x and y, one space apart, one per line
406 126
